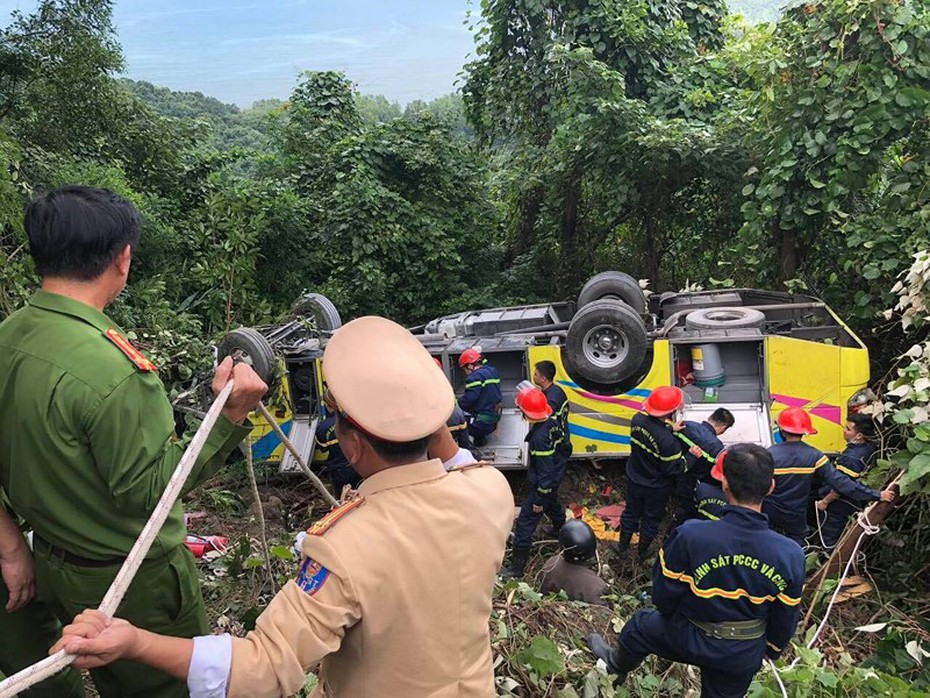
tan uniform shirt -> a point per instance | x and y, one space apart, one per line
394 596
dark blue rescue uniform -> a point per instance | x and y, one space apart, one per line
654 463
797 465
704 435
558 401
458 425
737 579
853 462
482 401
709 501
335 464
543 480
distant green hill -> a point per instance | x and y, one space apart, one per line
230 126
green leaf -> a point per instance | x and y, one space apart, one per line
282 552
542 656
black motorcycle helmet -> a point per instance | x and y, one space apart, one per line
577 541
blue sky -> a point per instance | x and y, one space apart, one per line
243 50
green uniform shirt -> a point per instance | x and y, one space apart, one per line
87 442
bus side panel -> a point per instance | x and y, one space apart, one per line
820 378
265 443
599 424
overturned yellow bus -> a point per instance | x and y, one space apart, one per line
752 351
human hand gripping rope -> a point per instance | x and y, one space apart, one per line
52 665
868 529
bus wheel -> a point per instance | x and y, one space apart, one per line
249 346
606 342
613 285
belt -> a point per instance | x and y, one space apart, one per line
72 559
488 417
733 630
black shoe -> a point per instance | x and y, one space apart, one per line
602 650
619 662
518 559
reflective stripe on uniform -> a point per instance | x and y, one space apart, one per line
643 446
481 384
690 443
846 471
543 453
794 471
724 593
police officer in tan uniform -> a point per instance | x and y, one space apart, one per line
394 591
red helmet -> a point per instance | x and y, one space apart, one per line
470 356
717 471
663 401
794 420
533 404
438 362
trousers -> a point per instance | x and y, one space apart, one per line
727 666
529 519
25 637
164 597
645 509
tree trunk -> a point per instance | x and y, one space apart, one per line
836 563
526 229
571 256
789 262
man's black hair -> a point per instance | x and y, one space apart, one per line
863 424
396 452
546 369
76 232
723 417
749 470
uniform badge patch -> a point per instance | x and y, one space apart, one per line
133 354
312 576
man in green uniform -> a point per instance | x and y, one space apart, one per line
87 442
27 627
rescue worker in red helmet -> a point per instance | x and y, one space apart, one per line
656 459
797 466
482 399
543 477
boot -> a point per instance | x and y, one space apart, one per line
645 547
622 549
517 566
617 659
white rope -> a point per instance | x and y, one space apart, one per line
868 529
52 665
781 684
294 452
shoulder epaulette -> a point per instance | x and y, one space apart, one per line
134 355
468 466
328 521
